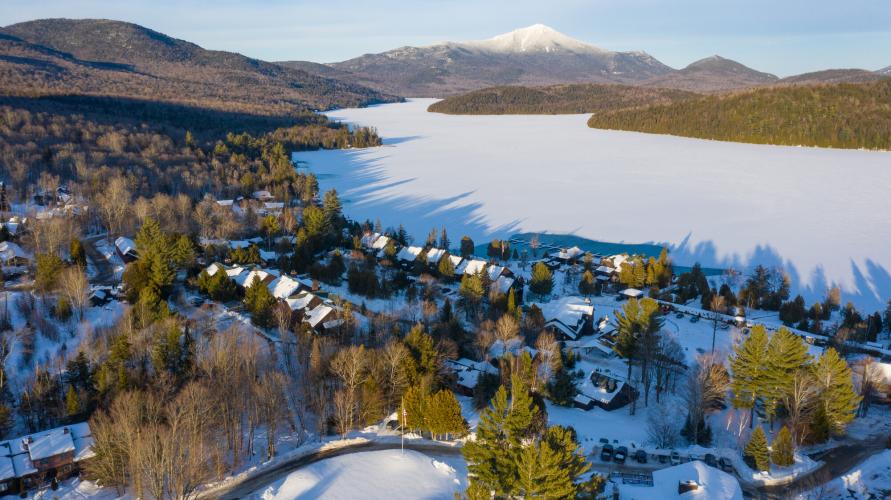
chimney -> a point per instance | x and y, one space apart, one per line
685 486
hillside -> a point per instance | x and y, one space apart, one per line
839 116
833 76
536 55
712 74
556 99
111 58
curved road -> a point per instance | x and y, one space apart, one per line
836 462
252 484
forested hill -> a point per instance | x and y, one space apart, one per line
123 60
843 115
556 99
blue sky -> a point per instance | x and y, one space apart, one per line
780 36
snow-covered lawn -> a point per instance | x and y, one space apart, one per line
871 479
820 212
390 474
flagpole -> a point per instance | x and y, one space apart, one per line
402 427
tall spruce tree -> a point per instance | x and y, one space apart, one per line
756 452
786 354
782 451
542 281
747 366
838 400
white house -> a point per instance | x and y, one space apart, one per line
434 255
126 249
283 287
12 254
471 267
568 317
408 254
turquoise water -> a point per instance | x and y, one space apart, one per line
551 242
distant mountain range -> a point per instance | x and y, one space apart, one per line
117 59
538 56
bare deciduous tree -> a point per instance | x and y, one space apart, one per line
75 287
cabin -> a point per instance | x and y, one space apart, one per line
467 373
568 255
126 249
321 318
31 461
13 255
470 267
631 293
262 195
503 284
408 255
303 301
245 279
434 255
603 390
568 318
284 287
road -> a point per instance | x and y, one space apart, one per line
836 462
248 486
104 269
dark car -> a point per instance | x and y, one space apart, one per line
725 465
679 315
711 460
641 457
694 319
675 458
663 459
621 454
606 454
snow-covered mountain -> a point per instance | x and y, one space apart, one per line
712 74
536 55
884 71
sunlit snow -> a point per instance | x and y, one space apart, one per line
823 214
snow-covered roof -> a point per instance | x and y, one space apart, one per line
570 311
283 287
514 346
380 243
503 284
456 260
471 267
409 254
468 371
55 442
434 255
268 256
631 293
247 279
711 482
605 270
22 464
239 244
9 251
7 469
261 195
368 239
318 315
569 253
125 245
225 203
596 386
274 205
495 272
334 323
301 301
235 271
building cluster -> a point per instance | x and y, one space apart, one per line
37 459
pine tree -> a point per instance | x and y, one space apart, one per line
756 452
747 366
586 285
331 208
72 403
542 281
414 407
782 450
77 253
443 415
466 247
259 301
489 462
444 239
446 268
786 353
838 400
184 252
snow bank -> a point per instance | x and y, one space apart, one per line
822 213
380 474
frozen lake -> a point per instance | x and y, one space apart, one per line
825 215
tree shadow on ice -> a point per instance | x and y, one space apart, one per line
367 191
871 284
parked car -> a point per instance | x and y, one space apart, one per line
641 457
675 458
725 326
679 315
663 459
606 454
711 460
621 454
604 441
725 464
694 319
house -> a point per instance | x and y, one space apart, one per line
496 272
408 255
319 316
303 301
591 348
434 255
568 318
125 249
13 255
568 255
467 373
631 293
605 271
503 284
283 287
690 481
246 279
99 295
603 390
262 195
456 260
36 459
471 267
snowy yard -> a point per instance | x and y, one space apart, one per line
389 474
819 212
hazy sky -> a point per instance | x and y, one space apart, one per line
780 36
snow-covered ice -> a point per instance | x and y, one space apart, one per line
821 213
389 474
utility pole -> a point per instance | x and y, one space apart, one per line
402 426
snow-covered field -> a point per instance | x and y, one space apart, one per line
389 474
822 213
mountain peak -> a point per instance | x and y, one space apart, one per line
535 38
